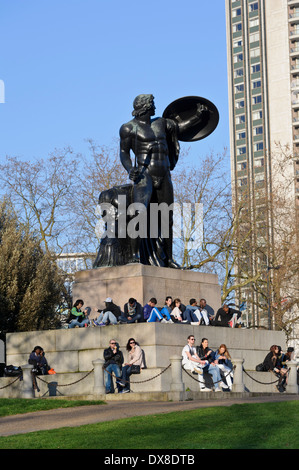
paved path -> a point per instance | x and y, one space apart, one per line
69 417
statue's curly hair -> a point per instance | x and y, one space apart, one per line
141 104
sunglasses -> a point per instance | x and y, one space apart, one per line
132 342
112 343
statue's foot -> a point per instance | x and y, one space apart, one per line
134 259
173 264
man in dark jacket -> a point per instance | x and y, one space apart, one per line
132 312
225 315
113 362
110 314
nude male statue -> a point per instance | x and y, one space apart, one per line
155 145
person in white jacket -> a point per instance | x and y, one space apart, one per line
191 361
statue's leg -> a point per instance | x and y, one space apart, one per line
165 194
142 193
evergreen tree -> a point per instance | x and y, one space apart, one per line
31 285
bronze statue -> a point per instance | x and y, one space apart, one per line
155 145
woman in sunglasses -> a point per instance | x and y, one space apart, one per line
135 358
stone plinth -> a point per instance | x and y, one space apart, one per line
73 352
143 282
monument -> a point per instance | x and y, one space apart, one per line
136 234
155 144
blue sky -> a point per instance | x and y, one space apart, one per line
72 68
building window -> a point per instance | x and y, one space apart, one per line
238 43
240 119
258 130
239 88
254 6
241 150
257 84
254 22
257 115
237 27
238 73
254 37
241 166
242 182
240 104
238 58
257 99
259 178
241 135
255 52
255 68
259 162
236 12
259 146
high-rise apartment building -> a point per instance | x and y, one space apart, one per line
263 77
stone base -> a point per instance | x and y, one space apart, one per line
143 282
71 353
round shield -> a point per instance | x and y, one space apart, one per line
193 125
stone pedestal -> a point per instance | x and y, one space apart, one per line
143 282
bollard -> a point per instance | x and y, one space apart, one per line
177 384
238 384
98 388
27 384
292 386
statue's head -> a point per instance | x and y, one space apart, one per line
142 104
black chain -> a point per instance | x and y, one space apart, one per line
141 381
194 378
263 383
5 386
67 385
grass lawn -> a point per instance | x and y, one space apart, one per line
13 406
245 426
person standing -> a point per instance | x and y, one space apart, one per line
113 363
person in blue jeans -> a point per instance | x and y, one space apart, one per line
113 362
189 314
206 354
79 318
135 357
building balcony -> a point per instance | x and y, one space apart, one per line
294 69
294 18
295 104
294 34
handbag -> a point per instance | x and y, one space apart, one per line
260 368
135 369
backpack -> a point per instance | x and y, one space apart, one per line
12 371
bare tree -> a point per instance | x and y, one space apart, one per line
39 191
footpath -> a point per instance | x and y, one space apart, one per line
78 416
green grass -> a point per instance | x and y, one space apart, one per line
13 406
246 426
